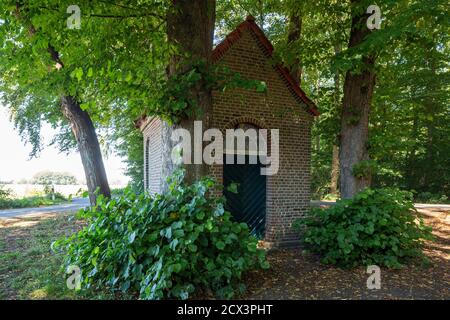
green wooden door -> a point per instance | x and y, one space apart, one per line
249 204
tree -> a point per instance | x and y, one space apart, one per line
114 67
23 37
409 135
405 26
127 142
190 28
358 90
50 177
74 79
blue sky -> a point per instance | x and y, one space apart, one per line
15 163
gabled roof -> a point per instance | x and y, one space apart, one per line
233 37
250 24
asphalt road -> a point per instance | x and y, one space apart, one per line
76 204
317 203
79 203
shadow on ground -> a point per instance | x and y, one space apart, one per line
29 270
295 275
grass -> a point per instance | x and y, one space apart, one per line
28 268
28 202
37 199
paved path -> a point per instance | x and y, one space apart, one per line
79 203
76 204
317 203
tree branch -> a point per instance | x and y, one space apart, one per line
111 16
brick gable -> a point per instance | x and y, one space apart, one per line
288 192
285 107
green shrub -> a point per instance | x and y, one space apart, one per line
7 200
117 192
166 246
5 193
365 168
428 197
377 226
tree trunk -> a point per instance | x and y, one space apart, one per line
410 165
358 90
190 27
83 130
335 152
88 146
430 122
334 170
294 33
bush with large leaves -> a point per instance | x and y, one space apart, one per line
164 246
377 226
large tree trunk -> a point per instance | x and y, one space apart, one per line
334 170
410 165
294 33
190 26
83 130
335 153
358 90
88 146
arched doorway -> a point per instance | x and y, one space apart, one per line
249 203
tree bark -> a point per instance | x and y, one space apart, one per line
294 34
410 165
334 170
83 130
358 90
88 146
190 26
335 153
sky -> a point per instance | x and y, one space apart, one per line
16 165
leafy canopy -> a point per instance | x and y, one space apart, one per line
171 245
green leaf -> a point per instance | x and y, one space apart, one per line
220 245
131 237
233 187
78 72
173 244
261 86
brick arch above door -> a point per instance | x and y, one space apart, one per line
260 123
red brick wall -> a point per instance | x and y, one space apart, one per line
288 192
152 155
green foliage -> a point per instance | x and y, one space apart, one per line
365 168
5 192
50 177
117 192
377 226
110 65
175 100
127 142
167 246
8 202
428 197
408 125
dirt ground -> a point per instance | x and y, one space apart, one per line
26 265
296 275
